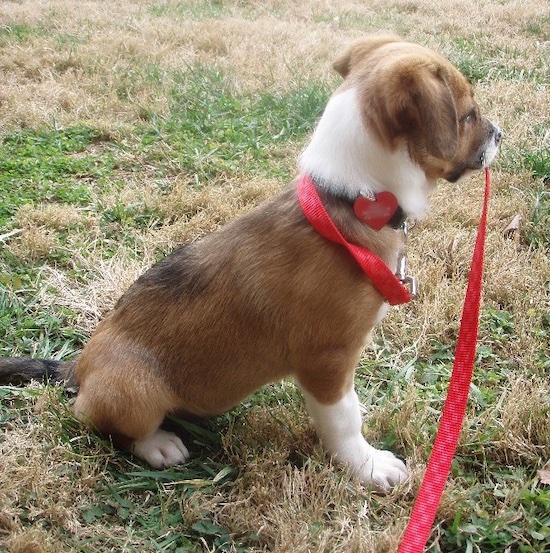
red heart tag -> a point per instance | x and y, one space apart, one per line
376 213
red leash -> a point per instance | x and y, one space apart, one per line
381 276
423 515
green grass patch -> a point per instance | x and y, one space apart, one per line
479 61
479 524
211 131
133 78
50 166
17 32
537 233
209 9
27 328
538 162
21 33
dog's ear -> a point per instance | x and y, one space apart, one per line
414 101
358 51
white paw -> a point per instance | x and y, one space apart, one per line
339 427
382 471
162 449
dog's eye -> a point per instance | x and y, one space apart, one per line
470 117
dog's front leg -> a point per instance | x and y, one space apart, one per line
339 428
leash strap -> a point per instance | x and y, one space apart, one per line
423 515
382 278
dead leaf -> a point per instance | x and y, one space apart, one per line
544 475
513 227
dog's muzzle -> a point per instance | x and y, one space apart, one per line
490 147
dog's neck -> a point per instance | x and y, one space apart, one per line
346 161
396 221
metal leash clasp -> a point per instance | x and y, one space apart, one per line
407 280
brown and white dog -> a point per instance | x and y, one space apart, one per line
266 297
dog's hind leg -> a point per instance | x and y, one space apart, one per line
130 410
132 422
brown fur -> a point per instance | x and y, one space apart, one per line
221 317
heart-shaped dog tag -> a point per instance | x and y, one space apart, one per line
376 213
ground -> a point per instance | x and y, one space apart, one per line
129 127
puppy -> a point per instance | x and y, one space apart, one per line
272 295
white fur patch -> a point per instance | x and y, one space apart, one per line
343 155
491 147
382 312
162 449
339 428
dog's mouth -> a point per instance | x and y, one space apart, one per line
482 159
490 150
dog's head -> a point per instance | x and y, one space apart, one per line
408 93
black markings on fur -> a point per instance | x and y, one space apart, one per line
179 275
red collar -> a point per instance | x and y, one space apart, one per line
382 278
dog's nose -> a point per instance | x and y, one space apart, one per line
498 135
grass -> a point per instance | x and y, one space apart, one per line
211 130
188 10
23 320
128 129
482 62
45 166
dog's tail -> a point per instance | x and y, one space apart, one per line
15 370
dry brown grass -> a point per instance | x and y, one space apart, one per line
263 44
112 64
